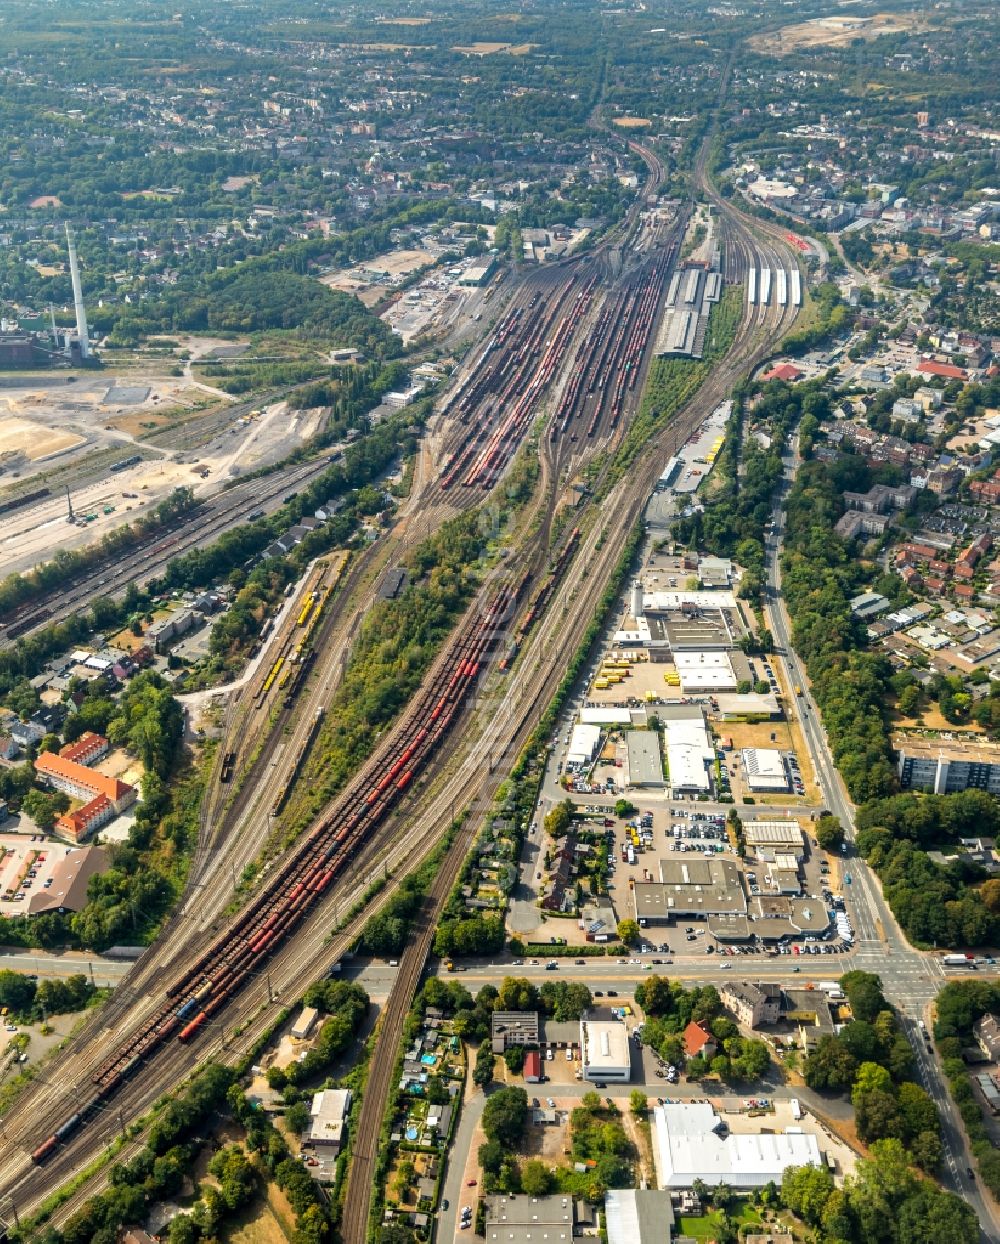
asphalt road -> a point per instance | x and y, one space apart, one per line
101 971
910 978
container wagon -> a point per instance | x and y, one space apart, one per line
765 287
782 288
752 287
796 288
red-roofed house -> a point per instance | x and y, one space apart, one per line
87 750
947 371
784 371
81 823
103 797
532 1067
698 1041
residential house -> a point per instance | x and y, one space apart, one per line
987 1033
88 749
698 1041
753 1004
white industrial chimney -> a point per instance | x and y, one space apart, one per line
81 311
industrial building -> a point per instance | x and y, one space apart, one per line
689 752
328 1120
764 769
638 1216
689 887
945 767
645 764
530 1220
690 1141
690 296
604 1050
583 745
306 1022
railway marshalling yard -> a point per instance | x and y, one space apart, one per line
450 748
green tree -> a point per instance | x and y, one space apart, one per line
829 833
513 1056
17 992
482 1073
829 1066
805 1190
536 1178
505 1115
297 1116
628 932
638 1103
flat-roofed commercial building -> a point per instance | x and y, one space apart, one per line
689 887
705 671
583 745
604 1050
513 1028
645 764
945 767
689 752
770 838
764 769
329 1118
697 630
530 1220
690 1142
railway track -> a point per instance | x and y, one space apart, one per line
503 719
145 561
583 580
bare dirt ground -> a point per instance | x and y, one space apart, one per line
631 123
931 719
34 440
836 31
485 48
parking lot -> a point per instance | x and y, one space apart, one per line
27 864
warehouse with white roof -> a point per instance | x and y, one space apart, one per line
690 1141
764 769
604 1050
689 752
705 671
583 745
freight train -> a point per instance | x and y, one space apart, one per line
540 599
299 883
310 738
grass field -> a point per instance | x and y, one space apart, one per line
707 1226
